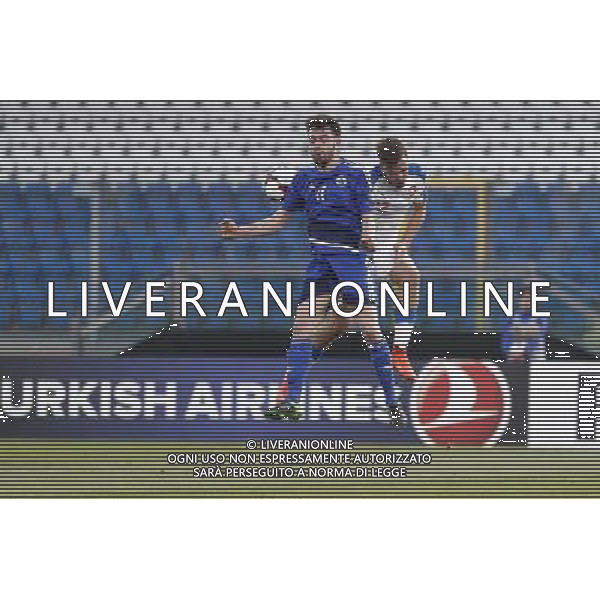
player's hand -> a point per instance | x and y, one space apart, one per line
228 228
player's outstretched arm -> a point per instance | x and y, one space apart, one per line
272 224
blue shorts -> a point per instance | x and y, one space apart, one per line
331 265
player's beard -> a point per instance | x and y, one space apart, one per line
398 181
323 158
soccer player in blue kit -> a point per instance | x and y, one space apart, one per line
334 196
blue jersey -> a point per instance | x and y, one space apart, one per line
414 170
334 203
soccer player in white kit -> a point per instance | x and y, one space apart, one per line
398 191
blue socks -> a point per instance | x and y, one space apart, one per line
301 354
299 359
403 330
380 357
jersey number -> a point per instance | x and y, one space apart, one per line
321 195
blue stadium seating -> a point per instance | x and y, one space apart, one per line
145 228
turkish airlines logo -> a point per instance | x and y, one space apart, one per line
457 403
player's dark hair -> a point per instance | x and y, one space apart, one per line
322 122
390 151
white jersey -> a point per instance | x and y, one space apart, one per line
393 209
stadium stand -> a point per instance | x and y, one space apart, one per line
131 191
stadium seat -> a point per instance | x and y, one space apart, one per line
30 298
252 202
37 196
223 203
10 197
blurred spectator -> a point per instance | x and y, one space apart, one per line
525 337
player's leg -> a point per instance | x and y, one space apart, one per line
316 272
404 270
298 360
326 330
353 267
395 392
325 324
